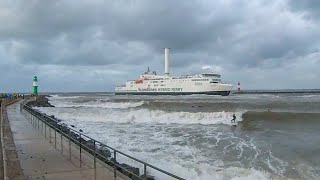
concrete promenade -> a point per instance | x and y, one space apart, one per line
40 159
10 164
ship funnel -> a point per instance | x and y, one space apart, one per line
166 61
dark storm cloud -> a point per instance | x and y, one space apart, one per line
310 7
182 26
127 36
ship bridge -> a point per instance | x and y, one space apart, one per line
211 75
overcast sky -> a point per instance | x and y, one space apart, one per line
91 45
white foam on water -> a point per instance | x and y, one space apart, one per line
277 165
307 171
146 116
148 138
257 151
109 105
56 96
66 102
184 161
203 171
147 135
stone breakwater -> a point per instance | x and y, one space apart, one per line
40 101
103 152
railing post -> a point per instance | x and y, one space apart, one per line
69 144
45 130
114 164
41 126
61 140
49 133
80 148
94 158
55 137
145 171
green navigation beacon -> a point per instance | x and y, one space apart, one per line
35 85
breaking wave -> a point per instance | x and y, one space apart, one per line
51 97
110 105
160 144
158 116
67 102
184 136
144 116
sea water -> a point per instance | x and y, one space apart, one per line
277 136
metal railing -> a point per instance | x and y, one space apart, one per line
97 149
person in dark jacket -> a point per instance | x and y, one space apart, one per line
234 117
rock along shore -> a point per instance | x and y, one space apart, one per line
40 101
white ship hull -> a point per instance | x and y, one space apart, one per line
175 87
221 93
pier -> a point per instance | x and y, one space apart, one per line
285 91
30 155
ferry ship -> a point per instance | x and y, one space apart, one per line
149 83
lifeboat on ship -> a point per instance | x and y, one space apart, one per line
139 81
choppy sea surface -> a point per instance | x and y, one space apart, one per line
277 137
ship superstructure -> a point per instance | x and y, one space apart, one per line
149 83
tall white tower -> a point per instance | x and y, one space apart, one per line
166 61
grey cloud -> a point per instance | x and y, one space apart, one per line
311 8
131 35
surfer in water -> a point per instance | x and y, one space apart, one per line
234 117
